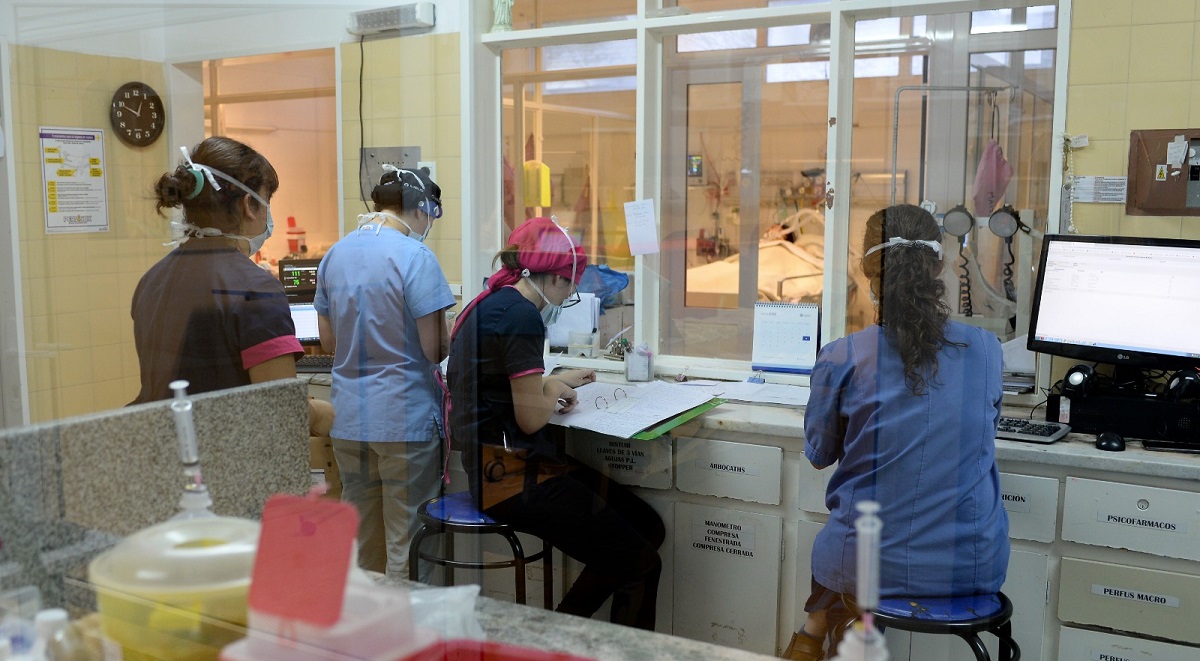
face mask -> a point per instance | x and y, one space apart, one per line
256 242
550 311
366 218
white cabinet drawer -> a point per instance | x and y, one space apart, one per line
1083 645
1032 505
813 484
747 472
627 461
1147 601
727 570
1160 521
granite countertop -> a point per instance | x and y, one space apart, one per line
527 626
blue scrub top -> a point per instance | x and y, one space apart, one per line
929 461
373 287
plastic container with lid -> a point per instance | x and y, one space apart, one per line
176 590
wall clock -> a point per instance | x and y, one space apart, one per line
137 114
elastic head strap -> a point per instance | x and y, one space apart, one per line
935 246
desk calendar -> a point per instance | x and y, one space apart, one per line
785 337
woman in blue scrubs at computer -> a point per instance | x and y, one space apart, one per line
381 303
907 408
517 470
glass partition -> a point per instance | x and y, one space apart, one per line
568 141
966 132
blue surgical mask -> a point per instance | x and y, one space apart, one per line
550 311
256 243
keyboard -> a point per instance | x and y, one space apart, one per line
1031 431
314 363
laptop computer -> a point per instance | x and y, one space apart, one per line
304 317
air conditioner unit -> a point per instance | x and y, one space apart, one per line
400 17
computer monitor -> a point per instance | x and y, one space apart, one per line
1131 302
304 317
299 278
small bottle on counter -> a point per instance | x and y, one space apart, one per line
57 640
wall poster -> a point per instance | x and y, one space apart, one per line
73 178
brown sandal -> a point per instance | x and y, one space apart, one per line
804 648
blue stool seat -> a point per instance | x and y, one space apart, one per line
457 513
964 617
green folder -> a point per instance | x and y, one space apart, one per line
667 425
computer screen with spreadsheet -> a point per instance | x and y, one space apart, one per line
304 316
1129 301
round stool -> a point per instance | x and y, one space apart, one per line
456 513
964 617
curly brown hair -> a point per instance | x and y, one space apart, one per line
211 207
912 309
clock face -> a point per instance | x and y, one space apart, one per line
137 114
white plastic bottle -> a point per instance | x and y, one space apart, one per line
860 645
57 640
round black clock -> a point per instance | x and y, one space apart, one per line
137 114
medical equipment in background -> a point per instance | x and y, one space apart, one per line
195 501
1004 223
715 247
958 222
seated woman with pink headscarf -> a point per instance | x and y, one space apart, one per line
516 467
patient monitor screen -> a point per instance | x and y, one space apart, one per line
1098 298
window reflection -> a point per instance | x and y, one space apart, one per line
744 163
568 141
957 130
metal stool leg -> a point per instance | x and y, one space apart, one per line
414 551
518 565
547 575
449 536
1009 650
981 653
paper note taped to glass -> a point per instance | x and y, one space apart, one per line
624 410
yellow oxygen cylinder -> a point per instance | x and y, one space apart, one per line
537 184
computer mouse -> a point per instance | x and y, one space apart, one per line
1110 440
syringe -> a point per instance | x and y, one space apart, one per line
195 500
868 526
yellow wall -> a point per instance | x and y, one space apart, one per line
411 98
1134 65
76 288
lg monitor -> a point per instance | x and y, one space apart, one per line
1131 302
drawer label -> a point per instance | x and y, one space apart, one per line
1139 522
722 467
1098 655
1016 502
1135 595
622 456
723 537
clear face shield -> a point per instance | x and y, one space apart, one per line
573 298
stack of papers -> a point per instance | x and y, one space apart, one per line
625 410
755 393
